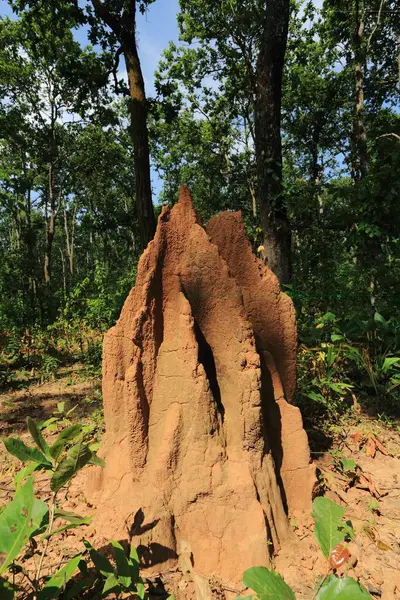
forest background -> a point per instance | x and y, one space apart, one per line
287 111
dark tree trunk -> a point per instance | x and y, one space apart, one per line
124 27
144 205
50 228
273 212
360 162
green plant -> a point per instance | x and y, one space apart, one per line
26 518
48 367
124 576
322 377
331 532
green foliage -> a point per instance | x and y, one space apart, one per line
267 584
349 356
329 530
18 521
26 517
56 584
346 588
125 576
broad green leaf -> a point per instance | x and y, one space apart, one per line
17 448
347 588
379 319
56 584
134 564
39 516
37 436
389 362
15 525
328 528
244 598
85 521
348 464
123 567
314 396
335 337
49 424
69 516
331 355
101 563
66 436
111 585
140 590
6 590
267 584
133 554
77 458
24 473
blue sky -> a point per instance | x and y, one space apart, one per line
156 29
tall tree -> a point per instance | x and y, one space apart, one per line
270 65
241 46
121 17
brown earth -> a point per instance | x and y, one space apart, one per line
200 441
372 506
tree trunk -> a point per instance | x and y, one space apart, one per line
50 227
70 238
124 27
360 133
144 205
273 212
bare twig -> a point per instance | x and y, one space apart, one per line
378 20
46 544
389 135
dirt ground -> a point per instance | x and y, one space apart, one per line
369 491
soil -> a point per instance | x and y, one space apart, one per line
370 493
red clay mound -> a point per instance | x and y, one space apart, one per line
204 455
271 314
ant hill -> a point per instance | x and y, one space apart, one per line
204 450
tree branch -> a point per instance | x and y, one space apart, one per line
376 24
389 135
114 71
106 15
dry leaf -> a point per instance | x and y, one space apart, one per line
370 449
357 439
339 556
382 546
381 448
365 483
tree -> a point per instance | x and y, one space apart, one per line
47 81
121 17
273 210
56 115
246 61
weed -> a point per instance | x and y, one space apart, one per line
331 533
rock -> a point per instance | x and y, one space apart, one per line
203 449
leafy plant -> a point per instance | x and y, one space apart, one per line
122 577
26 518
330 531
